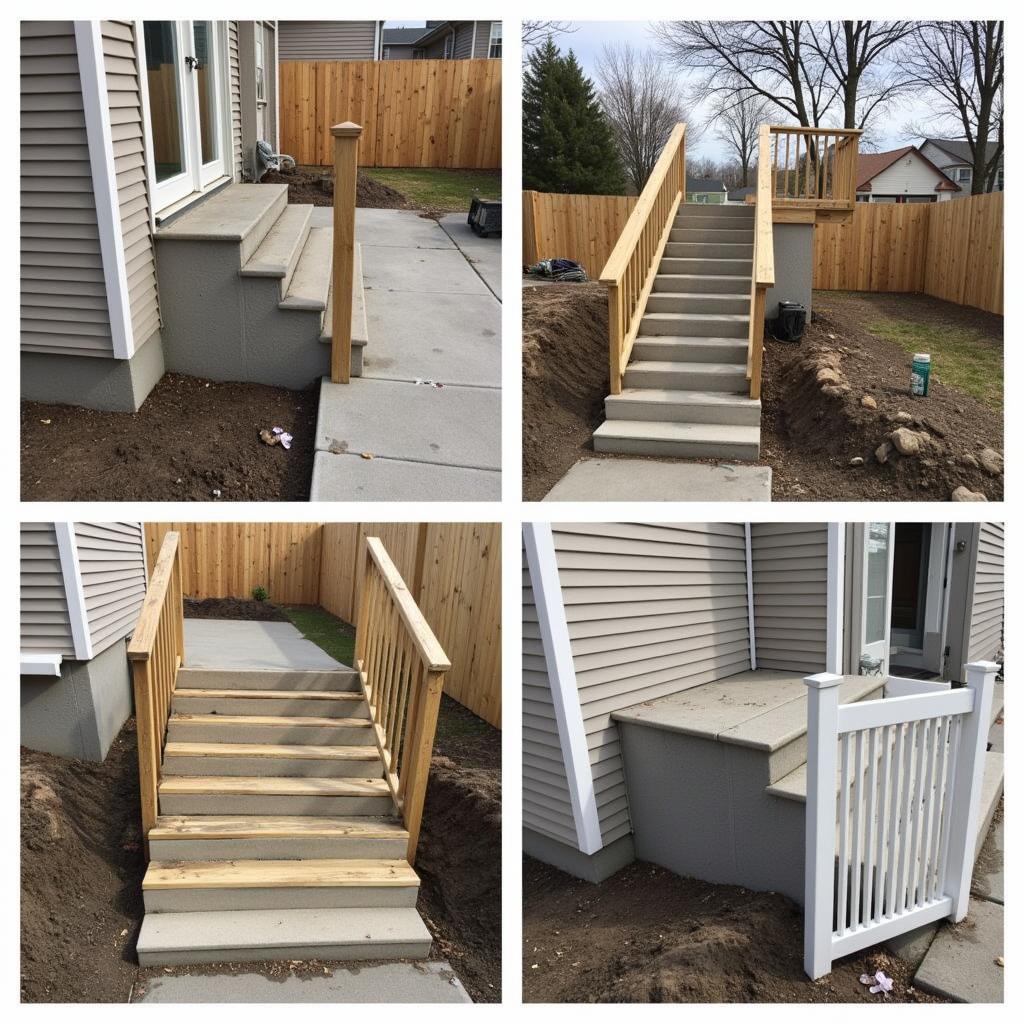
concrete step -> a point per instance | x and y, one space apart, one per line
678 247
278 254
698 302
664 348
715 211
342 679
245 936
678 440
302 703
711 234
275 759
736 284
694 376
262 795
268 729
191 886
360 331
696 325
234 837
706 266
243 214
674 406
312 278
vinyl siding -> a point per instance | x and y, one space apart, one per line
126 126
45 625
652 609
326 40
546 805
910 175
463 41
790 573
63 295
483 38
112 562
236 98
986 622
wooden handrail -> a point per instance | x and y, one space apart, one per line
156 652
763 271
401 670
346 171
633 264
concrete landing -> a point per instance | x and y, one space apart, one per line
658 480
228 643
336 478
961 963
483 253
432 982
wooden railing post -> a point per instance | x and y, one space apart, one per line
419 759
346 164
615 339
819 838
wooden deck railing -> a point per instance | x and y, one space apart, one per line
401 667
763 271
814 168
156 652
346 165
633 263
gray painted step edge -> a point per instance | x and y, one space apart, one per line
278 254
280 848
341 679
691 325
326 731
360 331
676 406
244 766
703 284
312 278
286 804
283 704
678 440
337 897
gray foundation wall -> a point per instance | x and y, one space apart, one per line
794 267
593 867
113 385
79 714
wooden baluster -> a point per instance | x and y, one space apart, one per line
346 163
179 607
420 751
401 718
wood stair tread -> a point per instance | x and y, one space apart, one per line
271 750
273 874
334 695
271 721
240 826
231 785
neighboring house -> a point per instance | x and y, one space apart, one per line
82 585
370 40
953 157
742 195
901 176
705 190
330 40
640 640
458 40
400 43
124 125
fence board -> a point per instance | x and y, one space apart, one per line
416 113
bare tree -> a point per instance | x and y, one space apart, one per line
535 32
736 124
643 103
959 64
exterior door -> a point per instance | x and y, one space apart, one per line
872 556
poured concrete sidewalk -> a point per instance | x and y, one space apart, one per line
231 643
427 408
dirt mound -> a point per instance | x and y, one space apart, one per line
316 186
81 875
565 378
459 864
233 608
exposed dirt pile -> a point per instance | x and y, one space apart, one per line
192 440
233 608
646 935
315 185
81 875
839 424
565 378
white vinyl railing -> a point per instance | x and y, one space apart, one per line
893 796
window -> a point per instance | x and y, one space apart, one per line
261 85
387 53
999 180
449 46
863 197
494 49
963 175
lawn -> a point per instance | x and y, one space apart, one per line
435 188
961 358
327 631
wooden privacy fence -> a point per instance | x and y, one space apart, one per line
401 669
951 250
414 113
575 227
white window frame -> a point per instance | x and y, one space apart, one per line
449 46
963 175
492 41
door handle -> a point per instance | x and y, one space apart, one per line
193 63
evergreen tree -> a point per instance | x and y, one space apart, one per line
568 144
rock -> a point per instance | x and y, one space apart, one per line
827 375
907 442
903 417
933 428
969 460
963 494
868 402
883 451
856 461
991 461
835 390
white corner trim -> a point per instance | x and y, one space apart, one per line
835 589
554 630
93 77
73 590
472 45
147 128
378 40
34 663
750 598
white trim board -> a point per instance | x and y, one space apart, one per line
36 664
750 596
73 589
835 588
554 630
93 79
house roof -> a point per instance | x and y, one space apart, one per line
705 185
403 36
437 28
960 149
870 165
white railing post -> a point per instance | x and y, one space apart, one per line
819 857
965 796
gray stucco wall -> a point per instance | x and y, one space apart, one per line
79 714
595 867
794 267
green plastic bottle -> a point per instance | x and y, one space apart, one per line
920 371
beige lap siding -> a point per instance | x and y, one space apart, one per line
45 624
326 40
986 629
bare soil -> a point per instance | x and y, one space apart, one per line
646 935
192 440
233 608
315 185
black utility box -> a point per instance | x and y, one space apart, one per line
790 322
485 217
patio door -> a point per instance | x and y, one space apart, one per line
188 111
871 607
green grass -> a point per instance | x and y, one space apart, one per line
961 358
433 188
327 631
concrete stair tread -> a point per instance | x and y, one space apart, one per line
679 366
296 680
671 396
270 721
685 318
229 216
248 935
272 750
669 340
655 430
311 281
245 826
279 251
236 785
360 331
336 696
717 296
278 874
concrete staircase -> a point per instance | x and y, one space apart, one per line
733 756
245 290
685 393
277 836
